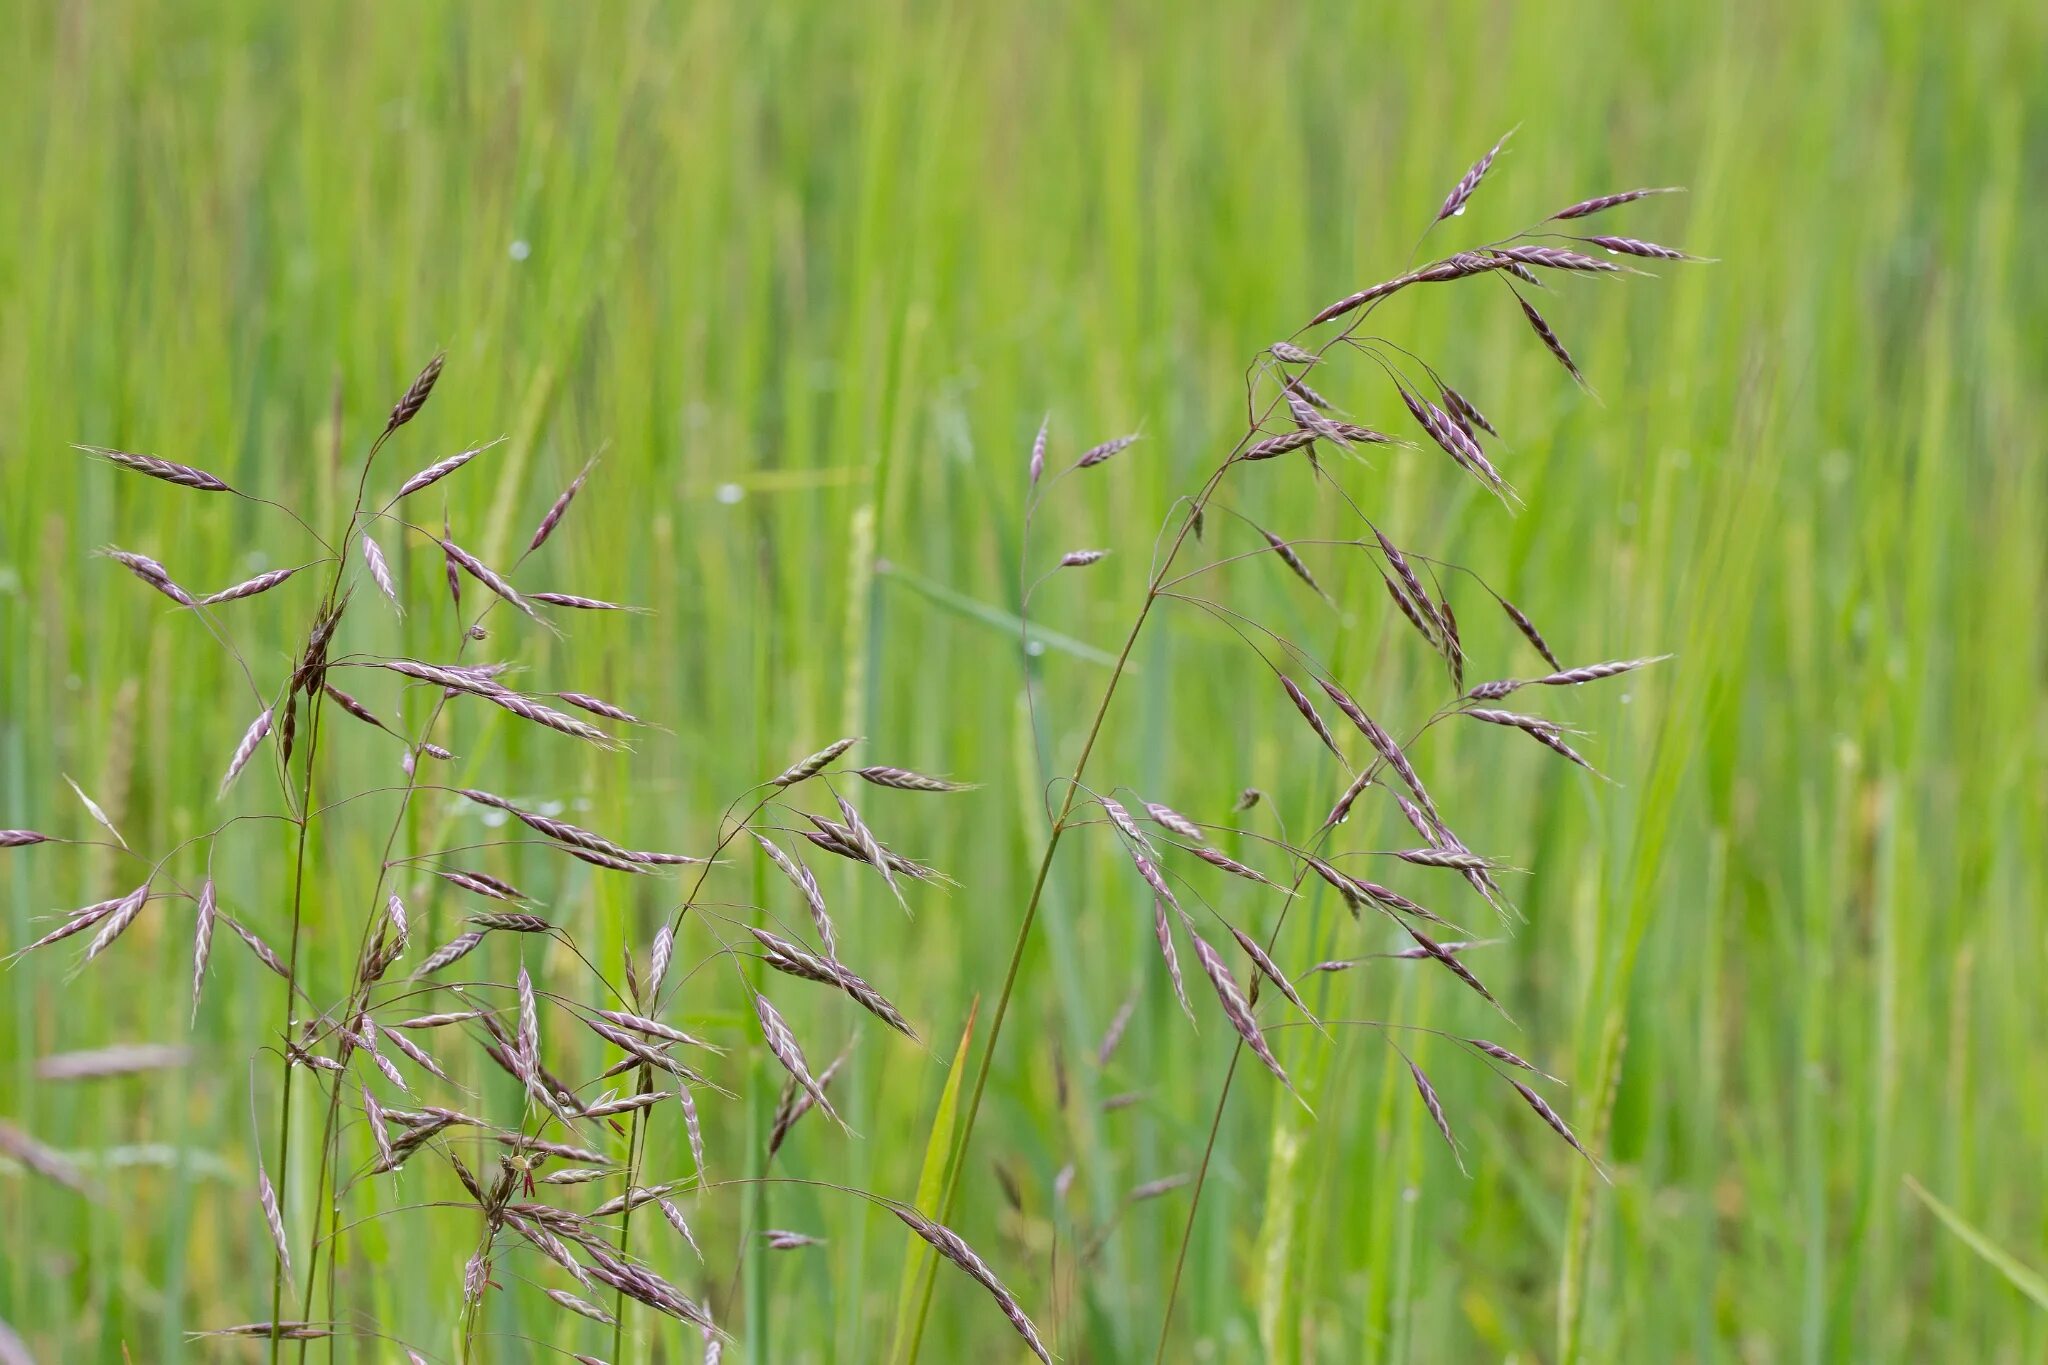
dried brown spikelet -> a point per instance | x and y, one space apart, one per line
796 1101
1270 969
1121 818
659 859
787 957
170 471
1096 454
1461 406
580 1307
1436 1111
202 940
1291 559
1450 961
1306 417
415 1053
244 751
1390 899
902 779
484 574
1454 202
1279 445
453 950
415 396
1164 931
949 1245
248 587
1454 648
783 1045
1551 1117
116 923
782 1239
1358 435
1370 294
834 837
560 830
1152 1189
373 1115
1451 438
806 768
1550 341
474 680
625 1104
480 883
1235 1007
1399 563
1173 821
120 1059
512 923
1571 677
575 1175
1231 865
1587 207
654 1028
1555 258
354 707
1153 878
1529 632
1309 714
380 572
571 600
300 1057
1114 1034
598 706
871 848
806 885
1338 882
1300 389
440 470
559 508
1341 811
449 568
1411 611
266 1195
1635 246
1442 857
150 572
1501 1054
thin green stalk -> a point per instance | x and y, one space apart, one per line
1187 1233
291 994
958 1162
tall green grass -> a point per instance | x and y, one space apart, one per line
810 276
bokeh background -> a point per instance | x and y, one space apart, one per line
809 276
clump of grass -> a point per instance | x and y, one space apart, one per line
1292 429
594 1062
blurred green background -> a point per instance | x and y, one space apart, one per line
809 275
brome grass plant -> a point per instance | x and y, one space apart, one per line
1293 428
553 1169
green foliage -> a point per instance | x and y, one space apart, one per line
809 276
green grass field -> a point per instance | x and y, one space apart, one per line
808 277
